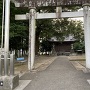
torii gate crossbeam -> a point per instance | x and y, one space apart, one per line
84 13
50 15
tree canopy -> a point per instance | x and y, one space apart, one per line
18 29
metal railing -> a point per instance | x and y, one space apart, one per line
10 63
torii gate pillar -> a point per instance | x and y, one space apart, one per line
86 11
32 25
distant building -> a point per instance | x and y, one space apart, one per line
63 47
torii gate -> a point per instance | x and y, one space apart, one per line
8 82
32 15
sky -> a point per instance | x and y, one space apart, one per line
78 19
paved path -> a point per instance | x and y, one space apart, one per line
60 75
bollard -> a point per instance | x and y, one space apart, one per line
11 64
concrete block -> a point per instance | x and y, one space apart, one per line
9 82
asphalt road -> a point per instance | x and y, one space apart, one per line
60 75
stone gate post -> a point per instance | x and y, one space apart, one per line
32 26
86 12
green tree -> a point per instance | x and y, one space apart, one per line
59 28
18 29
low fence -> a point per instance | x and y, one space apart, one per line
10 63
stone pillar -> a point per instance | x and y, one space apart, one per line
32 26
86 12
58 12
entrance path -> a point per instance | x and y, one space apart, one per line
60 75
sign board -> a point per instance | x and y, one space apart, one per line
43 3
